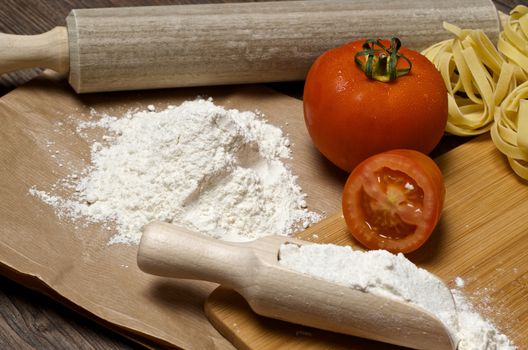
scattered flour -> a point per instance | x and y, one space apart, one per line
382 273
217 171
459 282
475 332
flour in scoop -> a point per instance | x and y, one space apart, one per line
394 276
213 170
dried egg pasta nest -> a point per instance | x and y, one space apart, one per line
513 40
510 130
487 87
465 63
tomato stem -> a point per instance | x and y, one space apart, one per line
381 63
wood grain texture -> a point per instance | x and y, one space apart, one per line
482 237
218 44
30 320
33 17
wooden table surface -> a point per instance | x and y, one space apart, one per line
29 320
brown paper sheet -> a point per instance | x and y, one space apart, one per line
72 261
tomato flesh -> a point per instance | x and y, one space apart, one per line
393 200
400 194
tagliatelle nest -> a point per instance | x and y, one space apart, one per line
488 86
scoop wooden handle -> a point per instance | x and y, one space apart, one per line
177 252
47 50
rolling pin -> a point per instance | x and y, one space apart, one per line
253 270
112 49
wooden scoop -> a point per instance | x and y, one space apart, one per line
253 270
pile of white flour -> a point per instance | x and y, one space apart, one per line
217 171
382 273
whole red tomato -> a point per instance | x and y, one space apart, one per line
350 116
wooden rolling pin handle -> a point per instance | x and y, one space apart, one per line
180 253
46 50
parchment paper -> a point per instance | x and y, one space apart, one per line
72 261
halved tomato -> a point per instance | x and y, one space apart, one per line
393 200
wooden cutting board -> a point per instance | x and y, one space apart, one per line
482 237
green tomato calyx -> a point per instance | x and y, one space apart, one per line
379 62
